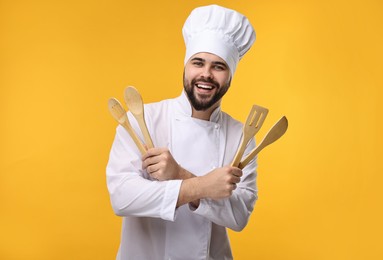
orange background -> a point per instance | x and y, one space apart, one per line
319 63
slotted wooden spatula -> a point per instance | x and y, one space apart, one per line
119 113
273 135
253 123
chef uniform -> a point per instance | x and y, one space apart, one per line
153 227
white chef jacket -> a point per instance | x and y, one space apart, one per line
153 228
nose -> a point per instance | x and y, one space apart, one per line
206 72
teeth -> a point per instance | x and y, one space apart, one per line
205 87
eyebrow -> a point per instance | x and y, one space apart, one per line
198 59
214 62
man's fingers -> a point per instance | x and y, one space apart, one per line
236 172
151 169
236 179
150 153
153 156
150 161
153 152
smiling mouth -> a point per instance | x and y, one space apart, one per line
205 87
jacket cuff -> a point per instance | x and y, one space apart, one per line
169 203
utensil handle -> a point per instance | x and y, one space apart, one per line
250 156
238 155
134 136
145 132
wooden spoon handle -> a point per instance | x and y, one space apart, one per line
134 136
145 132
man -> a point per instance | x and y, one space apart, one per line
178 199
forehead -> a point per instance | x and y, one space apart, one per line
208 57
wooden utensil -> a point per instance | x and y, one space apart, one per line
119 113
253 123
274 134
135 105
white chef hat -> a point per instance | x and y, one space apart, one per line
220 31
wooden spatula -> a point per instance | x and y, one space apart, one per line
253 123
119 113
274 134
135 105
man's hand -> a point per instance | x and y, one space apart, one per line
220 183
160 164
217 184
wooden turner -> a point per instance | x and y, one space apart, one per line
274 134
119 113
253 123
135 105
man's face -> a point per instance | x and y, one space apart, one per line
206 80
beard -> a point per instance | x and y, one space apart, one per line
204 102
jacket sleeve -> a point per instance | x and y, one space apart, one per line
233 212
132 192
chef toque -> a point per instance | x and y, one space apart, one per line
220 31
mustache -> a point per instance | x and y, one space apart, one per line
215 83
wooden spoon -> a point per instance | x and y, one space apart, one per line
119 113
253 123
135 105
274 134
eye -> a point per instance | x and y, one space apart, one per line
219 67
198 63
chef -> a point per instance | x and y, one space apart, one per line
178 199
